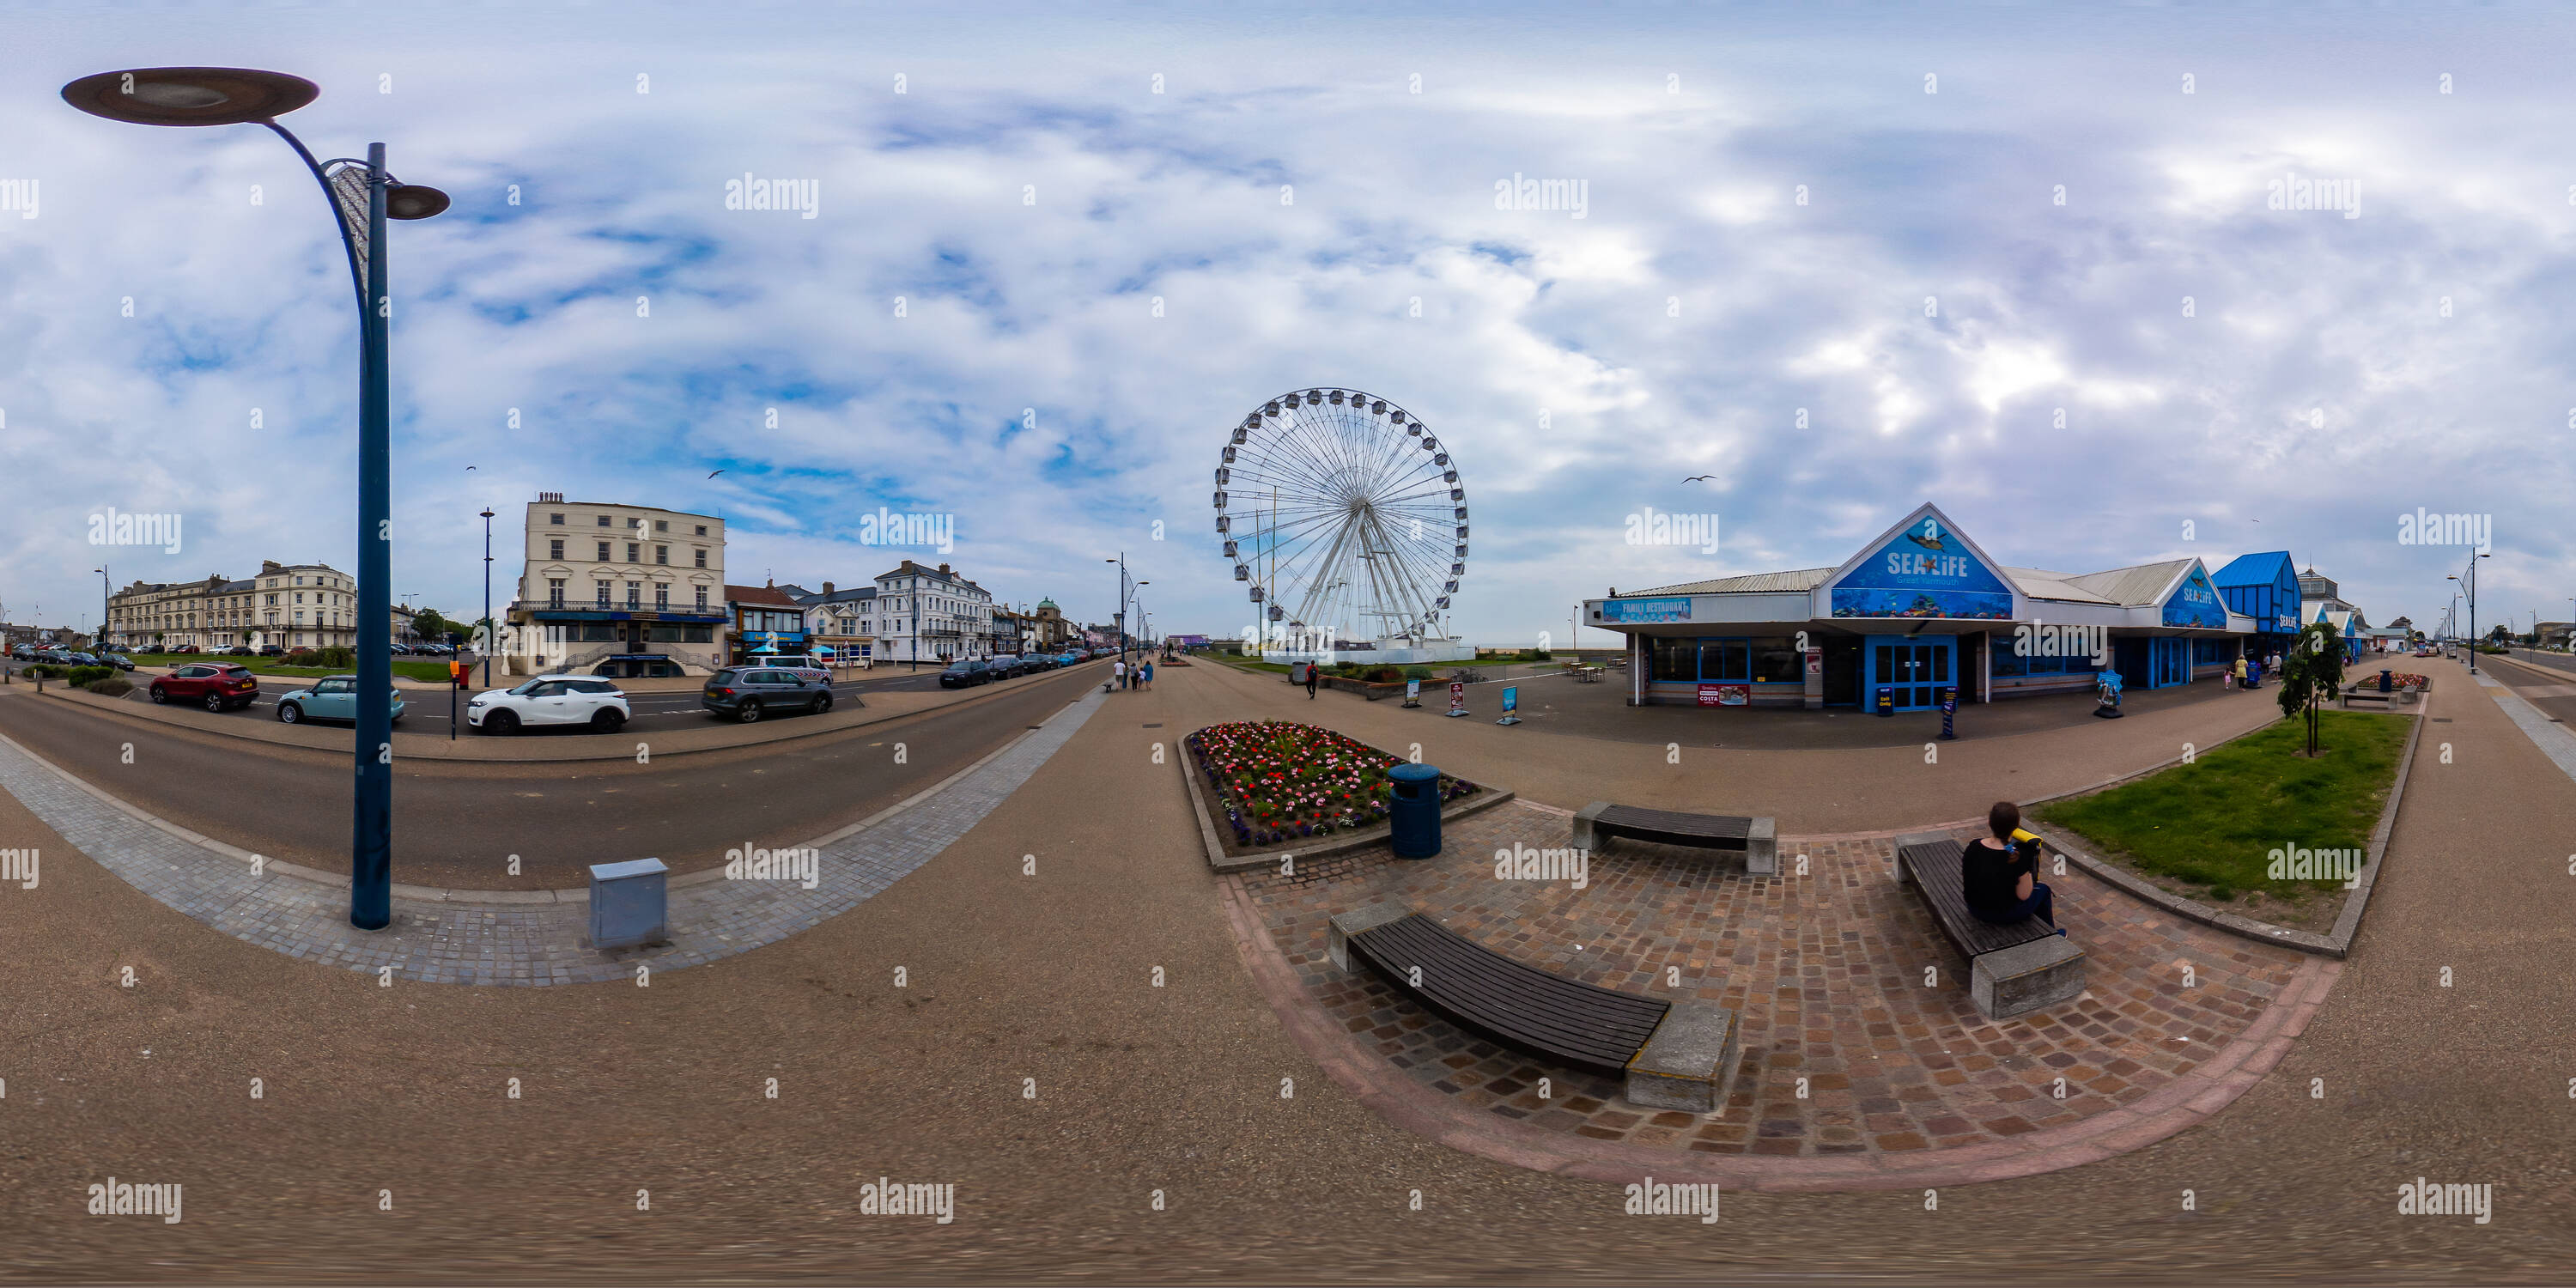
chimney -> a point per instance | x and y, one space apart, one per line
550 498
827 588
943 567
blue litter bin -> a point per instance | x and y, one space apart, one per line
1414 815
2386 682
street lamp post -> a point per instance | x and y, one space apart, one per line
362 196
491 629
105 589
2469 582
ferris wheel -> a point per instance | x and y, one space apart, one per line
1343 517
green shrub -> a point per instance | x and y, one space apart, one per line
41 671
1386 675
114 686
85 676
1538 655
1417 672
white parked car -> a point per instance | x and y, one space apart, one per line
550 700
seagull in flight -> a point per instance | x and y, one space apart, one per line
717 472
1697 477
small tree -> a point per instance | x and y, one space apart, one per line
2311 674
431 625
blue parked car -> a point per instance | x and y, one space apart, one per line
333 697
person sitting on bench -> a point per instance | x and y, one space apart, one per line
1999 874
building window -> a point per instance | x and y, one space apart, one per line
661 597
603 521
702 556
702 599
634 552
634 594
555 519
556 549
661 554
603 592
702 529
661 525
554 592
603 552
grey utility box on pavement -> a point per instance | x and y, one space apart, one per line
630 903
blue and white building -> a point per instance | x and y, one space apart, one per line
1920 609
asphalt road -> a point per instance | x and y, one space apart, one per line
425 710
458 824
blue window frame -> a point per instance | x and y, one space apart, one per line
1739 659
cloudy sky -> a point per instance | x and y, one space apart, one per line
1928 236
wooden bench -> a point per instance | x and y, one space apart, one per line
1673 1055
2013 968
1758 838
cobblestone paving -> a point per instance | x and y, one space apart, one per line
1825 970
519 944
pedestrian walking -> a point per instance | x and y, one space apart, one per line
1118 672
1149 672
1310 681
2236 677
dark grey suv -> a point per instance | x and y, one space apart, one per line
749 692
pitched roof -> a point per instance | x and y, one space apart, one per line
1803 579
847 595
2140 584
769 595
2262 569
2039 583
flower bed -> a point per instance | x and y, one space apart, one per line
1277 781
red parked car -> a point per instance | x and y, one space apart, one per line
217 686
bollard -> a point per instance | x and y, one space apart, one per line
629 904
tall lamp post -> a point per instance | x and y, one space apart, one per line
105 590
362 196
490 630
2469 582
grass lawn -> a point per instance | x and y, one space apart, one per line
2214 823
422 669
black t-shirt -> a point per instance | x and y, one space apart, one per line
1989 876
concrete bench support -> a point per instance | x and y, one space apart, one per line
2026 977
1762 847
1337 941
1584 819
1689 1062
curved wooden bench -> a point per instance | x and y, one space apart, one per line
1674 1055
